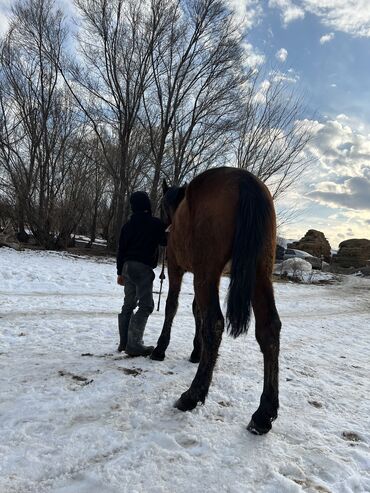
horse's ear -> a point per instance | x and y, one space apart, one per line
165 187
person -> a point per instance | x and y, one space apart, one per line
137 256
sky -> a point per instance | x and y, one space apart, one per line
322 49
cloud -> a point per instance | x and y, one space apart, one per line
5 7
247 13
327 38
253 57
353 194
67 6
282 55
4 23
343 156
334 192
289 11
348 16
290 76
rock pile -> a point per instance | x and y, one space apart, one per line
353 253
315 243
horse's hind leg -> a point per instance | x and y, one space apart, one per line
175 275
268 336
212 326
197 343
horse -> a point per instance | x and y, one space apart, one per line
223 214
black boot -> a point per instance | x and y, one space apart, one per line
123 324
140 351
135 346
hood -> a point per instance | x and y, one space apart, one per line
140 202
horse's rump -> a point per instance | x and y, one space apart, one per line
227 214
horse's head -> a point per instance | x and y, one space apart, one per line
172 196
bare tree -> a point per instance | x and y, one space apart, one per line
159 88
272 134
190 106
97 186
116 40
39 127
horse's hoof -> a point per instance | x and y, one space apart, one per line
185 403
194 358
121 348
157 355
257 429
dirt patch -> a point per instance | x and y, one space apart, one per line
316 404
82 381
131 371
224 404
351 436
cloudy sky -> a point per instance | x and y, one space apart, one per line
323 49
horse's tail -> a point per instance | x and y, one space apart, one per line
253 218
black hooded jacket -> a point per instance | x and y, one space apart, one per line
141 235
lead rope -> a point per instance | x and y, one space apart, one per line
161 277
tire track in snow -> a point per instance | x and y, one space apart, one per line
56 313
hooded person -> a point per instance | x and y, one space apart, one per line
137 256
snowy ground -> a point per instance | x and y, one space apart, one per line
76 417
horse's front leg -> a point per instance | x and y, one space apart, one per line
212 326
175 275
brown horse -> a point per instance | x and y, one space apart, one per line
224 214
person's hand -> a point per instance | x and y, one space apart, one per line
120 280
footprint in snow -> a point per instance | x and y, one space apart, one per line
308 484
186 442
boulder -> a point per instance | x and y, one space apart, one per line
315 243
316 262
353 253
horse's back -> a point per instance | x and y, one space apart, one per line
218 189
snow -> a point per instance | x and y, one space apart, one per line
77 417
299 269
292 265
86 239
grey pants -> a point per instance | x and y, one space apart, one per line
138 293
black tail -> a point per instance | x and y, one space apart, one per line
253 217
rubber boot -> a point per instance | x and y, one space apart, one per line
123 324
135 346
